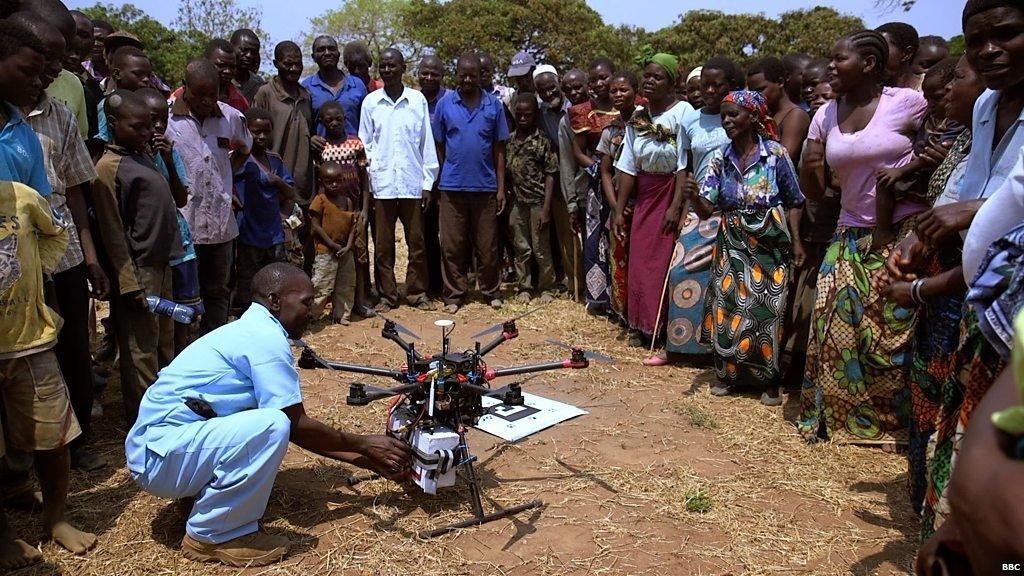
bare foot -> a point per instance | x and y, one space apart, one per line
72 538
16 553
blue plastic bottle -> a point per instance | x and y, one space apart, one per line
179 312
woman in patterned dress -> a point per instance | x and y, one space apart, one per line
753 182
588 120
855 386
993 162
700 134
937 333
623 92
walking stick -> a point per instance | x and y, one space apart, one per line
664 286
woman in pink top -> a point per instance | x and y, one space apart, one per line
855 386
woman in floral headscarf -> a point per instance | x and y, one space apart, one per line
647 165
753 182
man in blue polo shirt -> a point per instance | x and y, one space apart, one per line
470 130
330 83
216 424
22 61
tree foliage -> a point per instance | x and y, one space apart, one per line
379 23
701 34
168 49
568 33
890 5
812 31
564 33
218 18
198 21
956 45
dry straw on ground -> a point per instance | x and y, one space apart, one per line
660 478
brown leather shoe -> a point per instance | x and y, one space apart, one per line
256 549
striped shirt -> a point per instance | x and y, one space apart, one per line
67 164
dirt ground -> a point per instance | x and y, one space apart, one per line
659 478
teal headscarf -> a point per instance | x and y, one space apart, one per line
667 61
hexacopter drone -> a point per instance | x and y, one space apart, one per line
438 397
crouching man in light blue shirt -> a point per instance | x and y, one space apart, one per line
216 424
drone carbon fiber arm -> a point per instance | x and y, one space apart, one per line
310 359
576 362
506 335
360 394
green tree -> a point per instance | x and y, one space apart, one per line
379 23
218 18
621 44
812 31
564 33
956 45
168 49
701 34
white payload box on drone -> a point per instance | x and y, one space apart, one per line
434 451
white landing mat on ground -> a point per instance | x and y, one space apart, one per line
514 423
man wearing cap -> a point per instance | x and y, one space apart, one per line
553 105
520 73
110 45
553 109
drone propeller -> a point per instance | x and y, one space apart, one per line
497 327
401 329
308 352
586 353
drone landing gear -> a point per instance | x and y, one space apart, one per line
478 508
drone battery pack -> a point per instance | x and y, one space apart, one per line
434 455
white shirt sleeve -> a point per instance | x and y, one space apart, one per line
431 167
683 145
1002 212
366 129
627 157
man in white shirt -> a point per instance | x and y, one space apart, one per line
395 129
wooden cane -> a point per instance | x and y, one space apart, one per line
664 290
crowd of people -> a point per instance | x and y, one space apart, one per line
849 226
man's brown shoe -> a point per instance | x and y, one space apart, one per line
256 549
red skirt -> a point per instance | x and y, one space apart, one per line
649 250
